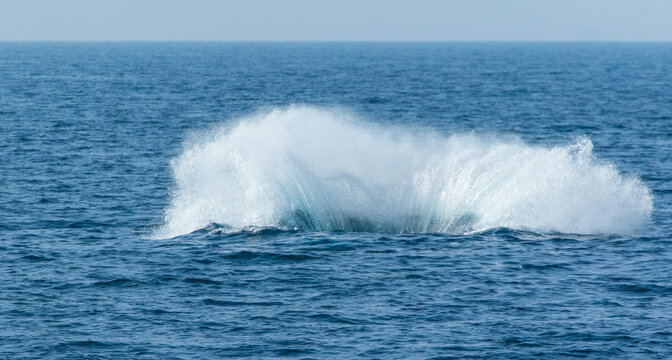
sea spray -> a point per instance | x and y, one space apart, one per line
314 169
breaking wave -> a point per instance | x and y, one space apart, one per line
321 170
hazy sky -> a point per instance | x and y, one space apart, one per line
386 20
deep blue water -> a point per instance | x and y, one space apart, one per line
132 226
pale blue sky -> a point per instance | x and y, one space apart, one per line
336 20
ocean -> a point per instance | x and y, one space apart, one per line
335 200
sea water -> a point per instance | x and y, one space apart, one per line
335 200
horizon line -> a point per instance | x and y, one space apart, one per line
334 41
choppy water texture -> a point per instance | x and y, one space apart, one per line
168 200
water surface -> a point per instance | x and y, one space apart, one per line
491 200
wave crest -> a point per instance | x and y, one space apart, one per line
314 169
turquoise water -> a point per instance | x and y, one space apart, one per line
335 200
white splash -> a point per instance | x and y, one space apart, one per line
314 169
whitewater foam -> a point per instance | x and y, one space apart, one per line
324 170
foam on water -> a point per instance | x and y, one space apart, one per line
316 169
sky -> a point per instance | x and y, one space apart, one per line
335 20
